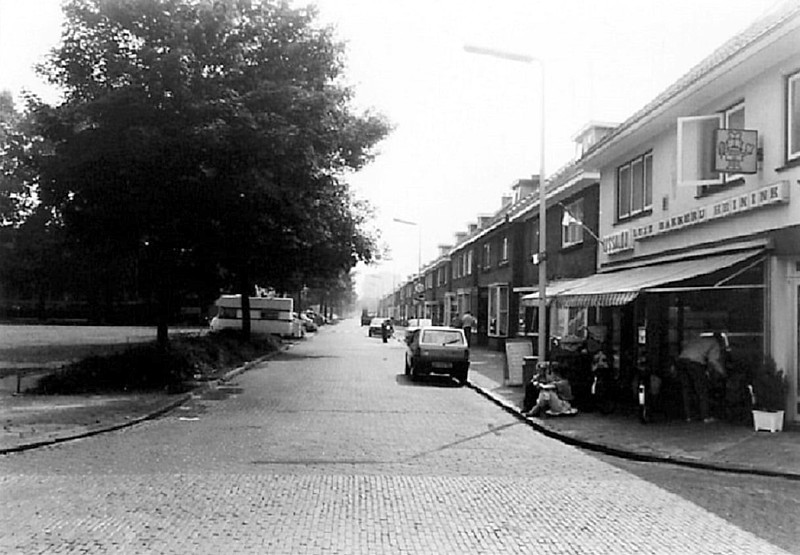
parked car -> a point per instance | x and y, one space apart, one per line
376 324
308 322
317 318
437 350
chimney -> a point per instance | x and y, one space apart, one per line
444 249
460 236
472 228
591 134
524 187
483 221
505 201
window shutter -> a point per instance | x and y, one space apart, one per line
696 153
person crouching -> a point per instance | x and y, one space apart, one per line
555 394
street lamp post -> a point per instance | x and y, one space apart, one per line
542 254
419 254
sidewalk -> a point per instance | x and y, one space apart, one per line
719 445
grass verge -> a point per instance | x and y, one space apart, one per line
146 367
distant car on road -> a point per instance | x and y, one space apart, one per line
437 350
376 325
366 318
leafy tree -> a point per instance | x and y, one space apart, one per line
197 134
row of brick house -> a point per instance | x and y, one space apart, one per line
683 219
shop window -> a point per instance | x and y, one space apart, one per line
635 187
793 117
571 321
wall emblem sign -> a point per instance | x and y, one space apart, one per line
736 151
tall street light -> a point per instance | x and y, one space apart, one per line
419 287
542 255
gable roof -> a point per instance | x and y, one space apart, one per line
748 38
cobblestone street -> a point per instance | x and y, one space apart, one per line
328 448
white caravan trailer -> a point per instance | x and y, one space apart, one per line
267 315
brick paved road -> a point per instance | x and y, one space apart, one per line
329 449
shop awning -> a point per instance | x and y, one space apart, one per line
623 286
553 288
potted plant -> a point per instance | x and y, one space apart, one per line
768 394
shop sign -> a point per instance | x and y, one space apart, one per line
777 193
618 242
736 151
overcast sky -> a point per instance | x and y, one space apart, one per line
467 126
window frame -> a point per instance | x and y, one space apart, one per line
487 255
497 310
645 162
792 116
729 112
574 208
725 179
683 122
504 250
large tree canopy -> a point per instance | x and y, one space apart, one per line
199 133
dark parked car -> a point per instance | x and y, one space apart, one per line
437 350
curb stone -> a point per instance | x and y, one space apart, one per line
615 451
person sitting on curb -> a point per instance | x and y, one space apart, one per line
555 394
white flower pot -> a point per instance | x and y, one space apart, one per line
771 421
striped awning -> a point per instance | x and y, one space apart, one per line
553 289
623 286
